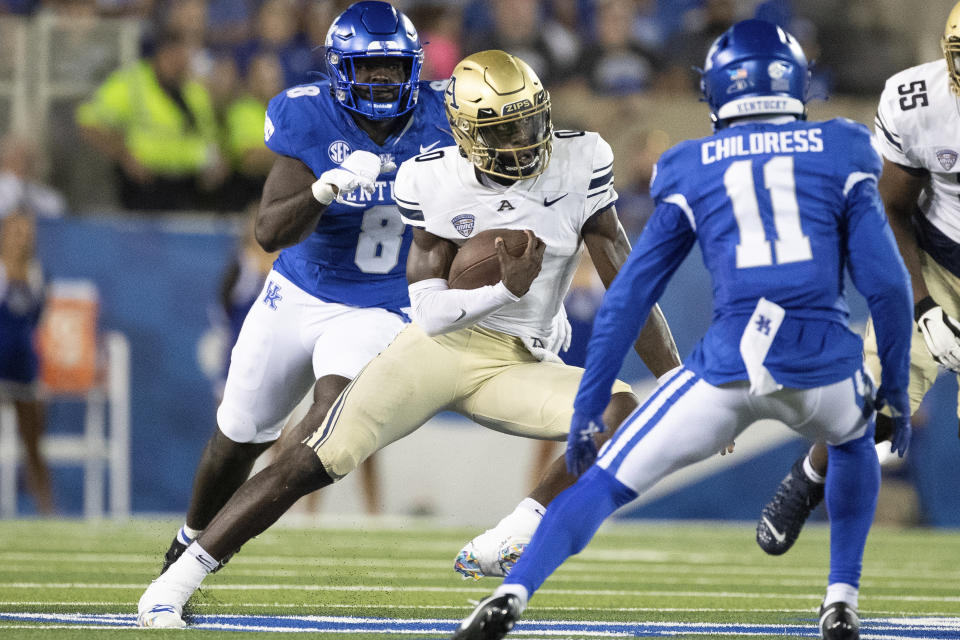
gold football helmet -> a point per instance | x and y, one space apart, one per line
499 113
950 43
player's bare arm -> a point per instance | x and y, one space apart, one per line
430 256
899 190
609 247
288 211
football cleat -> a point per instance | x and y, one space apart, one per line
839 621
490 554
161 616
783 517
161 605
175 551
491 620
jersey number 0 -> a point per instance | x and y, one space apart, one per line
754 249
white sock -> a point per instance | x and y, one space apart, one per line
811 473
189 570
841 592
186 535
523 520
515 589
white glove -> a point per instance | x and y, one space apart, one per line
940 332
360 169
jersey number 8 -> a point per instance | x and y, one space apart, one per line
381 235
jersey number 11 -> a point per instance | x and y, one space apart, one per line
754 249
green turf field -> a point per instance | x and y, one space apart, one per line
62 579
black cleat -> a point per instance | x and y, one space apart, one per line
839 621
175 551
783 517
491 620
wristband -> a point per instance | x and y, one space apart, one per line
322 192
922 307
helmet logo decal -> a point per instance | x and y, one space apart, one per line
453 96
338 151
947 158
779 72
739 80
519 105
464 224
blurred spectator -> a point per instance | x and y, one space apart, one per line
686 48
616 64
19 7
21 180
229 23
21 302
158 126
277 31
521 28
635 204
648 29
186 18
439 27
250 159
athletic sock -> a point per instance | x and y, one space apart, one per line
841 592
852 486
811 473
569 524
517 590
523 520
186 535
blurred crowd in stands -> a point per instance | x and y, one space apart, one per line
192 138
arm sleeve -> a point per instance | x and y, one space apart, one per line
664 243
878 272
438 309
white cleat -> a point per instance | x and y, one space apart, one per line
490 554
161 616
161 605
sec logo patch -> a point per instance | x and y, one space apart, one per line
338 151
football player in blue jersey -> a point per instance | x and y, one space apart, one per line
916 129
337 294
780 207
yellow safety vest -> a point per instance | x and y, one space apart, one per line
156 131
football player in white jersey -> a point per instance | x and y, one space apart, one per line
487 353
917 131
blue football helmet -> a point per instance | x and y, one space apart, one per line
373 29
754 68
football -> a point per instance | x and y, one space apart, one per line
476 264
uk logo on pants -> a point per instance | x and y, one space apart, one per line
273 295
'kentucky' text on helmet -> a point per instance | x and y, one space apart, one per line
755 68
368 30
499 114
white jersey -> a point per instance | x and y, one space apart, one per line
918 127
440 193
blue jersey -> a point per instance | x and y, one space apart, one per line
358 252
20 307
779 211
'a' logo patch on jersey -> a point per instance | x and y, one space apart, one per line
464 224
338 151
947 158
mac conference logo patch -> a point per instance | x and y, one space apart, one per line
947 158
464 224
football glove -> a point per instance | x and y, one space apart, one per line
581 449
900 415
940 332
360 169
